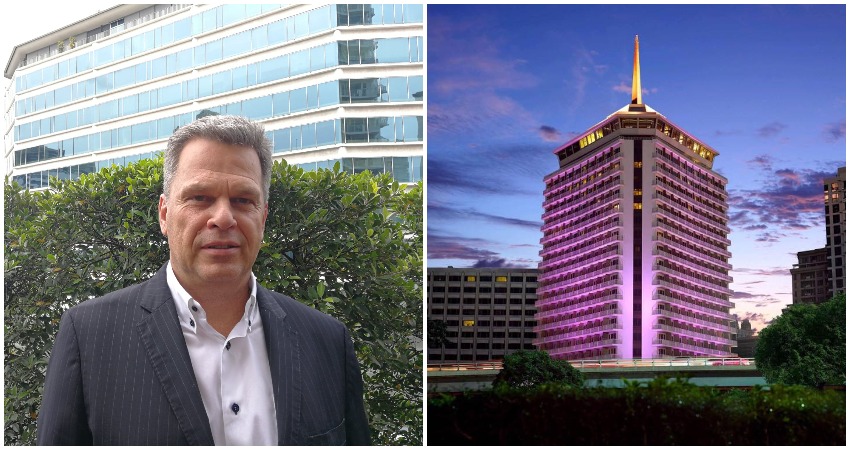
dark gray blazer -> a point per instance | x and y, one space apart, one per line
120 374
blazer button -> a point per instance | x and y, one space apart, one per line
235 408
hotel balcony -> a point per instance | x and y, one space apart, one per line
695 333
691 305
566 349
698 216
708 351
689 231
701 282
664 255
588 192
570 306
602 202
562 323
580 291
704 252
674 167
552 244
677 187
586 251
568 175
574 333
698 294
726 328
567 277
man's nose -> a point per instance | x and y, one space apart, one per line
222 215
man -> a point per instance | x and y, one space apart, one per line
201 353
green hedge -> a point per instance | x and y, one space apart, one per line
348 245
662 412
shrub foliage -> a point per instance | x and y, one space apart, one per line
806 345
525 369
350 246
661 412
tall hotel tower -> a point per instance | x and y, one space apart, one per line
635 259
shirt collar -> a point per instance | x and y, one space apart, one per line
184 302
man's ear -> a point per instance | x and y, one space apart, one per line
163 212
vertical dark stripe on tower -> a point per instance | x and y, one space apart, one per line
637 266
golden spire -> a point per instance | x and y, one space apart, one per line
636 76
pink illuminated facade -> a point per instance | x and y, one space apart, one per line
635 259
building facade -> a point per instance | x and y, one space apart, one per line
635 259
330 83
810 277
487 313
835 210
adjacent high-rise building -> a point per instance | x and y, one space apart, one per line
330 83
635 258
486 313
810 277
835 210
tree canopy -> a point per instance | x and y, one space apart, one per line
525 369
347 245
805 345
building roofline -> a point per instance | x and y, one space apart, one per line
80 26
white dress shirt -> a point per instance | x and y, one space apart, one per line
232 372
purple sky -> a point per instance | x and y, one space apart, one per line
763 85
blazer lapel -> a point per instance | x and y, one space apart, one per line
283 348
163 340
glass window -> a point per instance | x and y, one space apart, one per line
72 119
301 27
239 77
386 131
257 108
108 110
415 88
237 44
299 62
367 51
232 14
355 15
103 56
200 55
169 95
317 58
280 104
320 19
295 138
377 14
149 41
213 51
393 50
129 105
137 44
297 100
183 28
205 86
125 77
355 129
59 123
276 32
142 72
234 109
221 82
144 101
83 62
412 129
167 34
342 51
209 20
413 13
158 68
329 93
141 132
401 170
398 89
325 133
308 135
259 38
281 140
104 83
62 68
81 145
312 96
273 69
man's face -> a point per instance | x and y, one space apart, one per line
214 215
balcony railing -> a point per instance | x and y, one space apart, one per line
588 248
667 256
698 294
555 244
707 323
569 307
704 336
690 305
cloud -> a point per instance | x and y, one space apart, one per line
768 272
627 89
754 282
501 262
789 200
549 134
835 132
456 247
448 213
742 295
772 129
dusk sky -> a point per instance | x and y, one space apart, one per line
765 86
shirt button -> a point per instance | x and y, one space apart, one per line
228 345
191 322
235 408
195 308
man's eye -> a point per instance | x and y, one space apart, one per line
242 201
199 198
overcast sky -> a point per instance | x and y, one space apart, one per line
763 85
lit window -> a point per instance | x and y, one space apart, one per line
468 323
502 279
638 206
638 164
470 278
638 191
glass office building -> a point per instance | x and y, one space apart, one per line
330 83
635 259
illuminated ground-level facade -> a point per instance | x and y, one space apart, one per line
334 83
635 259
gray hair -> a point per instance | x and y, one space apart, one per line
230 130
